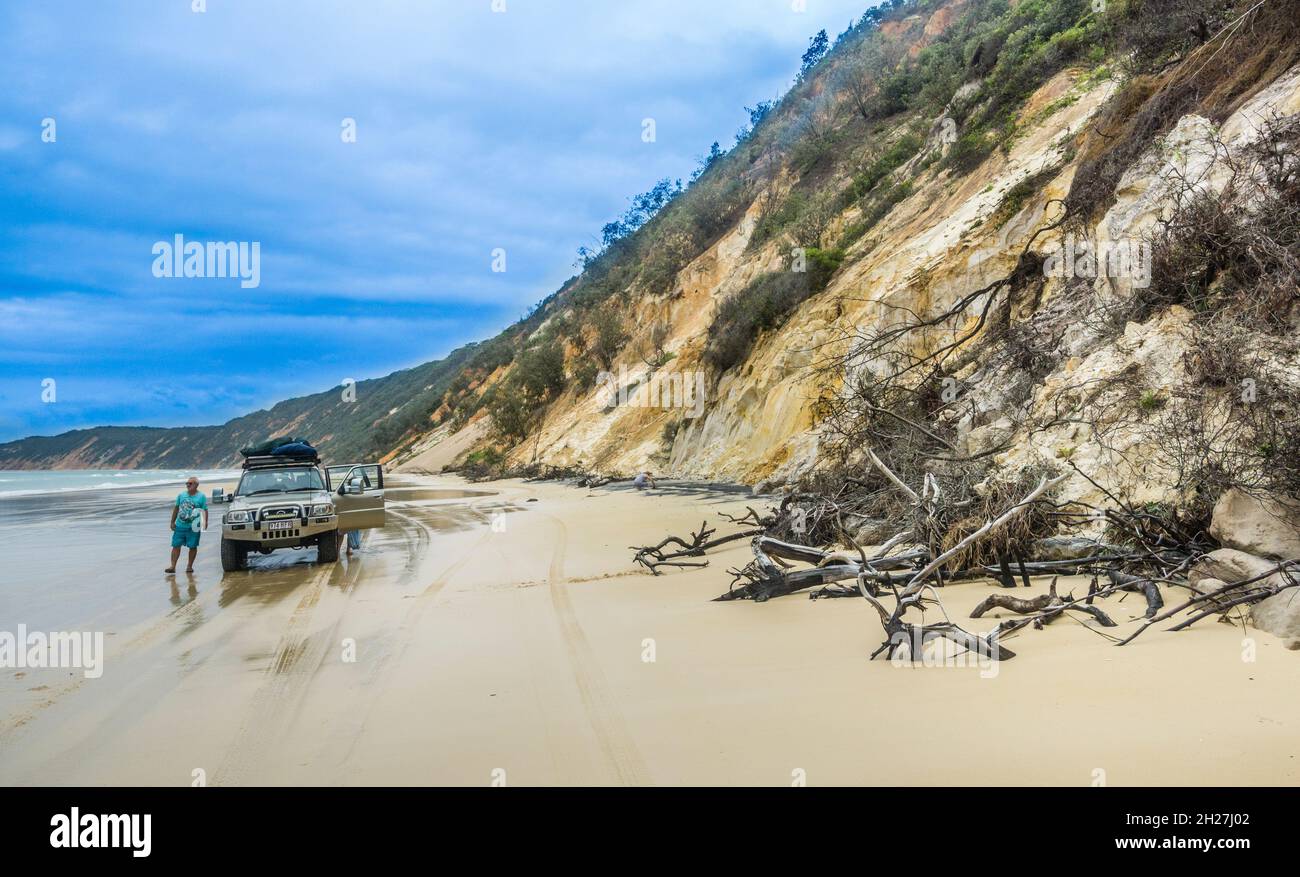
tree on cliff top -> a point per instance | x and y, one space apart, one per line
818 46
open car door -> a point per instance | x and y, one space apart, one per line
358 490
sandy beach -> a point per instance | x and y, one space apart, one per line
456 651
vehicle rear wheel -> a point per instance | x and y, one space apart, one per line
234 556
327 547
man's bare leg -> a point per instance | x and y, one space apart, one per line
176 555
193 553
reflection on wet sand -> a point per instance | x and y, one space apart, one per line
191 591
394 493
93 560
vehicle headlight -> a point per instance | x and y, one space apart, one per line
324 508
238 517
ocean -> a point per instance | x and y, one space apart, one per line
32 483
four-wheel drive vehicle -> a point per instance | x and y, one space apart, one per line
291 501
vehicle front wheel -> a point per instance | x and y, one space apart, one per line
234 556
327 547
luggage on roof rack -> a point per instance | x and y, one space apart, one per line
280 449
271 445
295 448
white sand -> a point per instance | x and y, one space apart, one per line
519 654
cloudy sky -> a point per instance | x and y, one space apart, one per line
126 122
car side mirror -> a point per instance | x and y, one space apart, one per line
351 489
218 494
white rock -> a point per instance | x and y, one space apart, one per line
1257 526
1228 565
1278 615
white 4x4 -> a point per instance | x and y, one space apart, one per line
292 502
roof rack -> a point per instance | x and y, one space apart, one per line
269 461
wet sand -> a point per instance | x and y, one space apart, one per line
516 653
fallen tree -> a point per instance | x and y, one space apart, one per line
910 571
654 556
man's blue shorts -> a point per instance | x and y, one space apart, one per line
183 536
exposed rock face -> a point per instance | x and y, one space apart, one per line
1259 526
760 422
1278 615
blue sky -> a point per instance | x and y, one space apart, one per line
475 130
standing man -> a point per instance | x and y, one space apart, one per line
185 530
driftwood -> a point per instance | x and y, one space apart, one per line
899 633
765 578
1046 607
772 573
909 567
653 556
750 517
1222 599
1146 587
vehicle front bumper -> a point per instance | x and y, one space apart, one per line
304 531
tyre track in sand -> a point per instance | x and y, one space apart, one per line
389 647
622 757
297 657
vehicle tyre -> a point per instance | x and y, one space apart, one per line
327 547
233 555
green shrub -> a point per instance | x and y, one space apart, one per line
774 220
482 464
822 265
585 374
886 163
874 211
969 151
764 304
511 412
539 371
485 457
608 335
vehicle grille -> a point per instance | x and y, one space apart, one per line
280 513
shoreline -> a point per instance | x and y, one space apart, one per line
206 476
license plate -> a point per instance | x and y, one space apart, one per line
280 525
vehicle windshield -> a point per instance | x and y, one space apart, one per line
280 481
